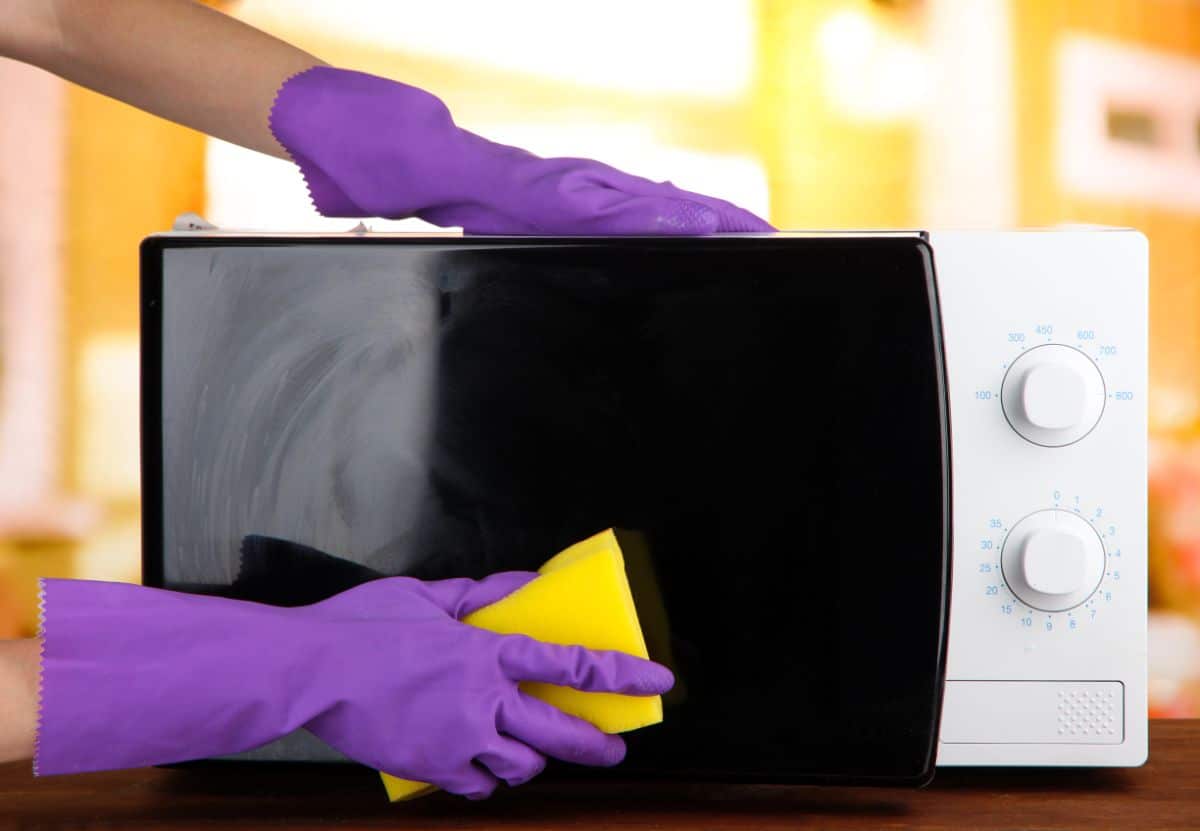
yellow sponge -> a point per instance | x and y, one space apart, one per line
581 596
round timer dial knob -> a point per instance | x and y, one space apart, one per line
1053 560
1053 395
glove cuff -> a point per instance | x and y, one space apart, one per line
366 145
132 676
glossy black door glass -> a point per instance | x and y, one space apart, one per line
760 418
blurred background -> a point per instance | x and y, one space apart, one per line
816 113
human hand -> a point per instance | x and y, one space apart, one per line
386 672
369 146
423 697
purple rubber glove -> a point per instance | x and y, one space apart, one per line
372 147
384 672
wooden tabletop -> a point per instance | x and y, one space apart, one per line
1163 794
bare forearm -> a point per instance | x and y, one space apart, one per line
175 58
18 698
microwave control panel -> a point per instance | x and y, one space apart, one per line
1045 339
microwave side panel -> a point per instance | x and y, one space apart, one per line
1045 335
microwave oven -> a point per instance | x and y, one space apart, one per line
882 495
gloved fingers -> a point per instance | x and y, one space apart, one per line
741 220
738 219
592 670
585 197
731 218
597 209
511 761
581 196
552 732
460 596
471 781
607 211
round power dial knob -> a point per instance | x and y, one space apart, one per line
1053 395
1053 560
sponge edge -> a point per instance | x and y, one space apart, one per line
581 597
402 790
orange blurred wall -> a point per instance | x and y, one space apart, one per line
128 174
825 169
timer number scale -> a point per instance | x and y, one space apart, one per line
1054 568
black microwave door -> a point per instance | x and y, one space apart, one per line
762 419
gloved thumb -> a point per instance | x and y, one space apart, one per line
460 596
